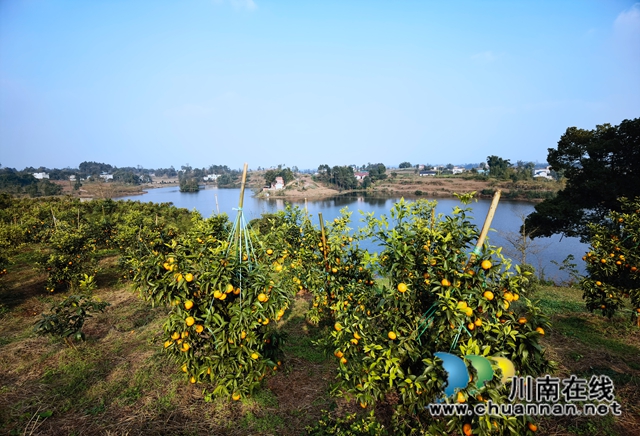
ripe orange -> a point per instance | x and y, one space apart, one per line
461 398
255 356
533 427
540 330
192 379
235 396
243 335
278 267
392 336
190 321
343 360
402 287
337 326
488 295
356 335
188 277
217 294
466 429
522 320
445 282
167 344
478 322
185 346
363 405
339 354
486 264
199 328
188 304
262 298
175 336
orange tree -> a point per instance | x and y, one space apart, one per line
613 262
70 257
224 306
427 298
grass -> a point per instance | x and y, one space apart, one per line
587 344
119 381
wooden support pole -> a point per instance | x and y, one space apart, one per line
485 227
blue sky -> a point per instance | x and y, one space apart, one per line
159 83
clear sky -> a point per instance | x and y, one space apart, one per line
167 82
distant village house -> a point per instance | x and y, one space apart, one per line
41 176
277 185
361 175
210 177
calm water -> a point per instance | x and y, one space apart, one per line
506 222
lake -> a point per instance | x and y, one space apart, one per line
506 222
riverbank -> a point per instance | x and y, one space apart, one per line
408 184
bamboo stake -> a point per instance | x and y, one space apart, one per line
217 207
240 204
485 227
244 180
324 241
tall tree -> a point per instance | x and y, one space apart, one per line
600 166
498 167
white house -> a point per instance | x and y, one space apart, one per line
543 173
210 177
72 178
41 176
361 175
106 176
458 170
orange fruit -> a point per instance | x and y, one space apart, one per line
185 346
337 326
175 336
235 396
522 320
460 398
486 264
188 277
167 344
255 356
190 321
343 360
402 287
392 336
199 328
243 335
338 354
478 322
488 295
445 282
540 330
262 298
217 294
278 267
188 304
532 427
462 305
466 429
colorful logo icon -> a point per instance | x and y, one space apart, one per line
458 374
